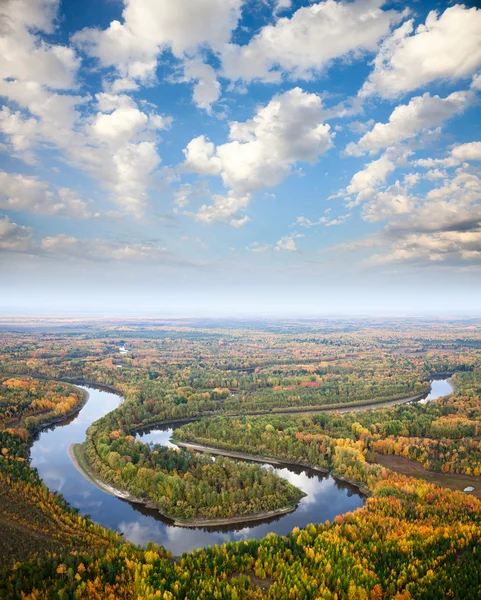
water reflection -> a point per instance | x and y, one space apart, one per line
439 388
325 498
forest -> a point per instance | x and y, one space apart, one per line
182 485
443 435
246 388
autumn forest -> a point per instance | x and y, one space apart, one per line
350 401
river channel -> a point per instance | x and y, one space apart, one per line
326 497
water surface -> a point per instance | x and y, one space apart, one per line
326 497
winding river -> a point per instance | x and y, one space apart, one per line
326 497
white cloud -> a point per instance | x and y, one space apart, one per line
360 127
13 237
392 202
120 125
408 120
223 208
207 88
26 56
65 246
20 239
454 205
21 192
364 182
288 242
238 223
434 174
182 195
411 179
150 26
263 150
281 5
308 41
446 246
199 157
258 248
325 220
117 146
447 47
288 130
459 154
443 227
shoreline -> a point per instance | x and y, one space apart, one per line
250 457
343 408
273 461
80 464
278 512
340 408
57 420
86 396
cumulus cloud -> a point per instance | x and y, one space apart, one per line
33 75
408 120
281 5
310 40
393 201
21 192
262 151
238 223
207 88
25 57
149 27
288 242
446 47
442 247
454 205
364 182
223 208
117 145
13 237
468 152
442 227
200 158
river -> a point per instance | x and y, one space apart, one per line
326 497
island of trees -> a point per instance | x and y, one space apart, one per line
264 389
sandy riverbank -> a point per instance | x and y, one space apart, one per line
75 453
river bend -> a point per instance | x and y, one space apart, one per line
326 497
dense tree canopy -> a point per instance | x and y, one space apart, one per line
411 539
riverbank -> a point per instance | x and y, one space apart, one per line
81 464
300 410
54 420
250 457
263 516
271 461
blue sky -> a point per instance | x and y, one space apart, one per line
240 157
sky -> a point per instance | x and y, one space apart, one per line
240 157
